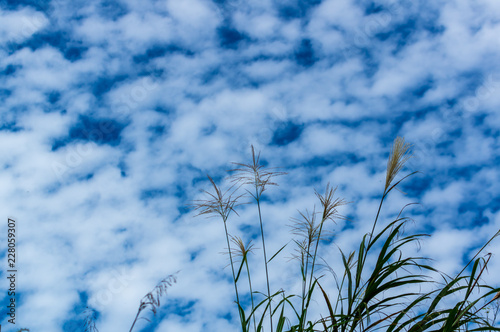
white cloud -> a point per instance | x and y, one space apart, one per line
17 26
195 107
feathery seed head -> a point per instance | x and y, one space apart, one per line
219 202
255 174
306 227
400 153
330 204
241 250
152 299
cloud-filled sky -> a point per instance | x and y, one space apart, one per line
112 113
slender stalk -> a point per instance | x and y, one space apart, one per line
377 216
136 317
251 292
304 282
476 281
257 198
495 298
312 268
222 204
373 229
315 253
478 252
232 267
256 175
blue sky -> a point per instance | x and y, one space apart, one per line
113 112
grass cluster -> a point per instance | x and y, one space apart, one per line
378 287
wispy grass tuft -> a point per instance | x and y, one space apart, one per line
151 300
219 203
255 174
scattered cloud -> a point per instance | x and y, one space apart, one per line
113 113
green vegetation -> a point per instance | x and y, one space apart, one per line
378 287
385 294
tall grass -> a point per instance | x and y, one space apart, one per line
378 287
150 301
258 177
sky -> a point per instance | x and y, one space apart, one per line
113 113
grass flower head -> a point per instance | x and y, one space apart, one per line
255 174
400 154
